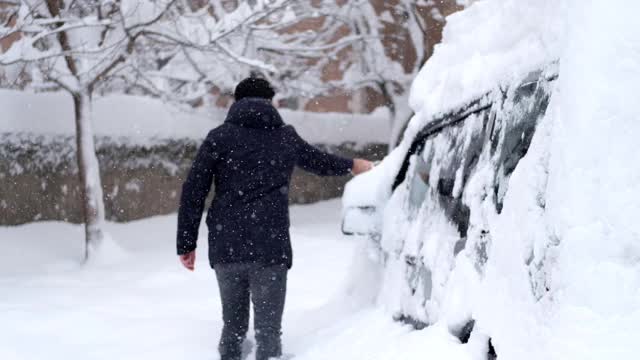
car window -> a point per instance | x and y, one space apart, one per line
450 156
517 117
419 182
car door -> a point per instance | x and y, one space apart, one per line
457 163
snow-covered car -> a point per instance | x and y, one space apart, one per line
425 208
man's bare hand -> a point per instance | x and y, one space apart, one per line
360 166
188 260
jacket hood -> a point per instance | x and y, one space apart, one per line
254 113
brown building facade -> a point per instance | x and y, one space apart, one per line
394 21
399 46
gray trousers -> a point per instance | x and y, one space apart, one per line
266 286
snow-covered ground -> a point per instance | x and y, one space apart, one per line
143 305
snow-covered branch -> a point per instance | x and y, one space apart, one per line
318 48
247 61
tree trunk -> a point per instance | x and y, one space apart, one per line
89 173
400 120
401 113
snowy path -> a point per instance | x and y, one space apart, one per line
145 306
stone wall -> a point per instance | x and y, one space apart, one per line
38 177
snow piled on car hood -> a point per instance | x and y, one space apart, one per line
487 44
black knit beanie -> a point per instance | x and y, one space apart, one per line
254 87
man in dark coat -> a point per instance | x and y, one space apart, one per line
250 157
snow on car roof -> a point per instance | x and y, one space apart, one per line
488 44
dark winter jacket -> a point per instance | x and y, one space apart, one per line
251 157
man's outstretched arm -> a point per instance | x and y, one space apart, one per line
194 193
322 163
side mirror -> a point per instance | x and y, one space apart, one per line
359 220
